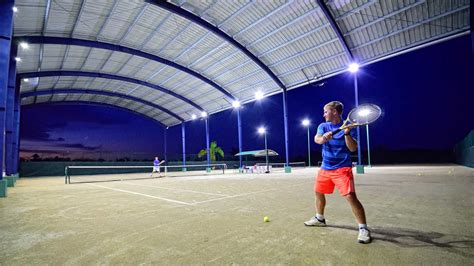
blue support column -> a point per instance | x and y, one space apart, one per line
285 121
9 148
166 145
208 153
239 129
6 28
183 139
16 130
359 167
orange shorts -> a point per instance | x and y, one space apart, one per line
341 178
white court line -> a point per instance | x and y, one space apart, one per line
176 189
141 194
250 193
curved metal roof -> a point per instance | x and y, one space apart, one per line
202 55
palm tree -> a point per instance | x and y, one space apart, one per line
214 150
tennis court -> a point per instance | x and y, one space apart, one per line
417 214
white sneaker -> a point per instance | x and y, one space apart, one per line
315 222
364 236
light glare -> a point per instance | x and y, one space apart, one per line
24 45
259 95
261 130
306 122
353 68
236 104
364 112
203 114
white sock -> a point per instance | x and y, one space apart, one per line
320 217
362 226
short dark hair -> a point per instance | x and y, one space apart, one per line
336 105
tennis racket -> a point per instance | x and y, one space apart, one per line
360 116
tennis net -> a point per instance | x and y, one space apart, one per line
91 174
278 167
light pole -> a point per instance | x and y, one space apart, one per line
306 123
262 130
353 68
236 105
364 114
368 146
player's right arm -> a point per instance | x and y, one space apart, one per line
322 137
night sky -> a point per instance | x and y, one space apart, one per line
426 97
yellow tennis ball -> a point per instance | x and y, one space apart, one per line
266 219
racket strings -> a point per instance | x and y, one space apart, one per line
365 113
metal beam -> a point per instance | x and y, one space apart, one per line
97 92
93 103
201 22
336 29
106 76
123 49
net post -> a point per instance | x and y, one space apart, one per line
65 174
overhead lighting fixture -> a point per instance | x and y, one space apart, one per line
15 9
236 104
26 80
261 130
353 68
259 95
18 59
24 45
203 114
305 122
193 116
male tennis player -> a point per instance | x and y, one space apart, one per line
156 167
336 169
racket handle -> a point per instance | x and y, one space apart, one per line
336 131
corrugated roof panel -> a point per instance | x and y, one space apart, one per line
165 33
268 27
147 70
117 23
42 98
200 50
94 15
72 97
181 40
55 97
29 62
229 63
216 55
65 82
116 61
251 15
31 24
173 80
95 59
25 101
62 17
162 75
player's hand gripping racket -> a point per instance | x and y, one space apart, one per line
360 116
